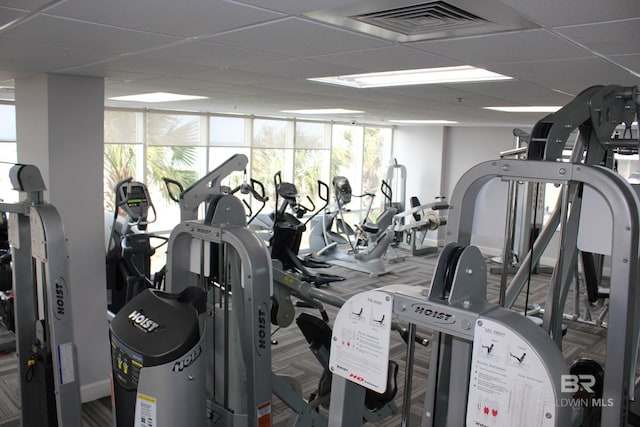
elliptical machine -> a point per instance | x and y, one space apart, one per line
325 244
129 248
287 234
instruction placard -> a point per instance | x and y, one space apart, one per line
146 411
360 340
509 385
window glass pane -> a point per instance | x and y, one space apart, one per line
219 155
347 140
311 166
121 161
9 155
227 131
7 122
265 163
312 135
377 150
173 129
346 159
272 133
183 164
122 127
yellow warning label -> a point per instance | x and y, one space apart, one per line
147 398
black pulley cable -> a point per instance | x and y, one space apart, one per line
531 242
450 269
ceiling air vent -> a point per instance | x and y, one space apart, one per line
407 21
423 18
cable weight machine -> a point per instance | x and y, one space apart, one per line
47 360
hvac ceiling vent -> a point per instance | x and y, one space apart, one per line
423 18
406 21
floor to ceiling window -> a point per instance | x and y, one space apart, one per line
149 145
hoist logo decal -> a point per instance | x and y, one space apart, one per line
436 315
59 309
143 322
188 360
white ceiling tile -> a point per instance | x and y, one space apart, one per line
551 13
34 57
387 58
570 76
529 45
213 55
184 18
630 61
29 5
296 7
310 39
152 66
8 15
80 35
623 37
299 68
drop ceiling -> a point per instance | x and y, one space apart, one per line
255 56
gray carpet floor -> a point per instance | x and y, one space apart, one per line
292 357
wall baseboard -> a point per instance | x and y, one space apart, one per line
94 391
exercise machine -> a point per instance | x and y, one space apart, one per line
416 222
328 246
7 317
232 267
157 370
463 387
47 360
287 234
489 366
587 184
129 246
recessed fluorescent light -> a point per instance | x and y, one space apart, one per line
526 109
157 97
425 122
465 73
323 111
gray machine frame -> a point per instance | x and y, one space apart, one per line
245 286
448 380
624 321
42 297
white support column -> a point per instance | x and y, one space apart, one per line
60 126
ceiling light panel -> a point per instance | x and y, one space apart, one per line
157 97
459 74
526 109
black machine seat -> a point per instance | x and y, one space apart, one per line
370 228
318 335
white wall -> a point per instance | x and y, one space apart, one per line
465 148
436 158
420 150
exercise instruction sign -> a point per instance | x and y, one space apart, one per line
360 340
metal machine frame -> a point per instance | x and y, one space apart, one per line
454 308
47 361
624 321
